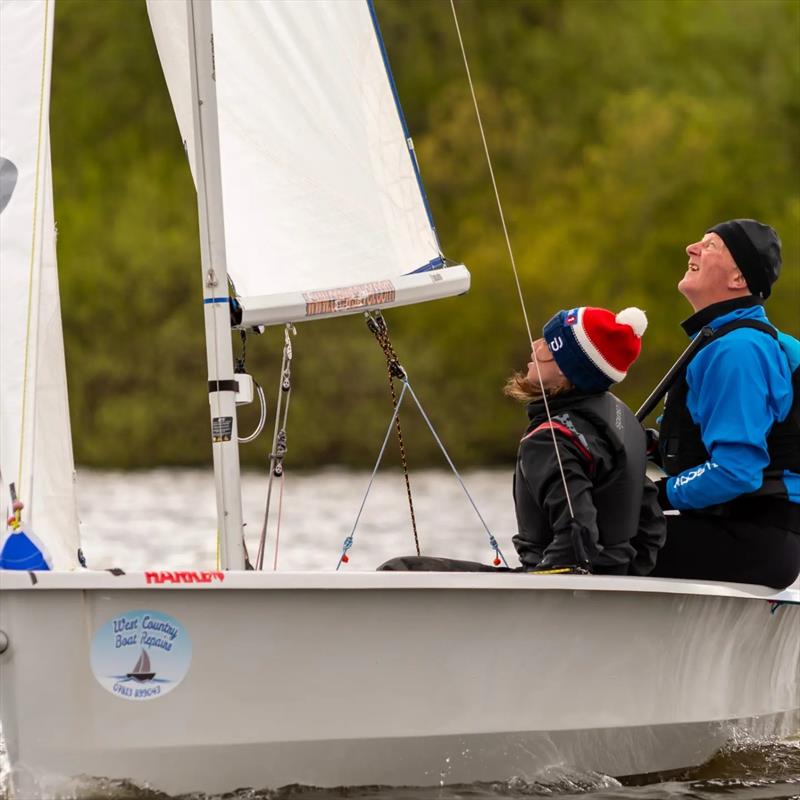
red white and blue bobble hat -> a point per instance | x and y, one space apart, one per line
594 347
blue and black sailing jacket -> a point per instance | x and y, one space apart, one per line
731 425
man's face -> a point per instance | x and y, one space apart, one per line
541 355
712 274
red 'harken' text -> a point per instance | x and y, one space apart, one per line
184 577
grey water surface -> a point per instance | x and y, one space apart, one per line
165 519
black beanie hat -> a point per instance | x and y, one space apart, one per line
756 249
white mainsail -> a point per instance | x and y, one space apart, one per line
324 211
35 439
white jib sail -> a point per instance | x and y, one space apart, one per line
323 208
35 440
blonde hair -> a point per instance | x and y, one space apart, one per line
519 388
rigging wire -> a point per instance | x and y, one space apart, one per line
491 174
511 257
377 325
348 542
492 541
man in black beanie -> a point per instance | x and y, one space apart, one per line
730 433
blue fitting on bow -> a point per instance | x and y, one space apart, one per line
346 545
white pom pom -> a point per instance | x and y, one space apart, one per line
634 317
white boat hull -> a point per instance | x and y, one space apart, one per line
394 679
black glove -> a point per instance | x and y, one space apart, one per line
651 447
663 498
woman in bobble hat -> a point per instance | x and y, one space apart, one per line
582 501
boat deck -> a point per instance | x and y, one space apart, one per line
214 580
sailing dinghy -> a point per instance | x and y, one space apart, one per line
309 196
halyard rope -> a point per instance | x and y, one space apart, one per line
278 525
377 324
278 451
511 257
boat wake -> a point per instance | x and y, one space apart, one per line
747 760
748 769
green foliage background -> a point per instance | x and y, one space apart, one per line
619 130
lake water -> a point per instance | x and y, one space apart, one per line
166 519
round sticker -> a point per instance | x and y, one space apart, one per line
141 654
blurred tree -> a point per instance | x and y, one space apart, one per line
619 131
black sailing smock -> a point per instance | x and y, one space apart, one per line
618 526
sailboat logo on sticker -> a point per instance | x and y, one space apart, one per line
141 654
